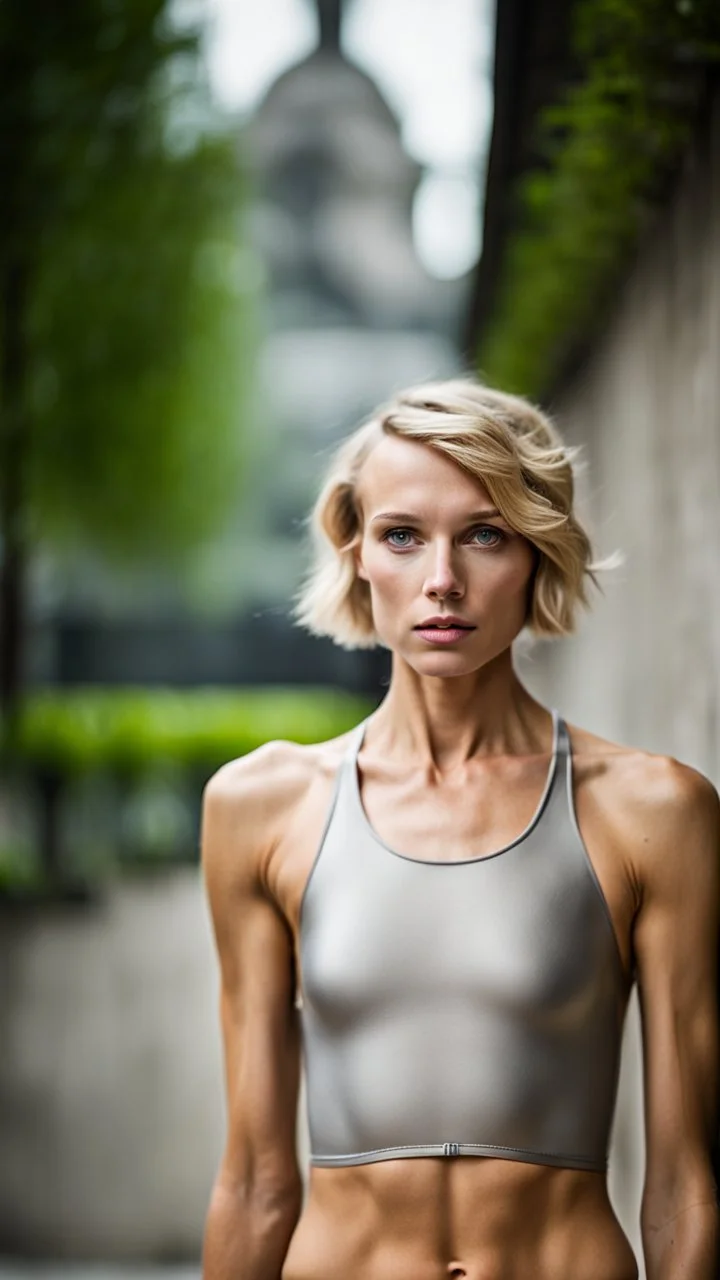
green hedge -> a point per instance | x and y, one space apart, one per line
606 148
131 730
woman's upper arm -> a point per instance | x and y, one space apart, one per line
254 946
676 950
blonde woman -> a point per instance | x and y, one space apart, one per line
446 908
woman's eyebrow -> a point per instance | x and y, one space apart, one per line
409 518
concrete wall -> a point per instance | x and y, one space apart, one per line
112 1115
645 668
111 1110
647 411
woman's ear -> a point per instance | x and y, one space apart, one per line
357 557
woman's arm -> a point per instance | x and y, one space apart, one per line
256 1198
676 851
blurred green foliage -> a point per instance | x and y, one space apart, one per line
124 199
126 291
99 780
606 149
140 372
134 730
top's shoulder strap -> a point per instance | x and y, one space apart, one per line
563 737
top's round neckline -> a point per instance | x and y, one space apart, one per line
453 862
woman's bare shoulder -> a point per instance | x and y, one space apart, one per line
273 778
248 804
651 797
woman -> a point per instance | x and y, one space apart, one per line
447 907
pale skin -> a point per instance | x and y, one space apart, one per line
458 750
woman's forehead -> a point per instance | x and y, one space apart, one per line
410 475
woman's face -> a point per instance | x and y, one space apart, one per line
433 544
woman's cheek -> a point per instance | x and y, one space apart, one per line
513 572
383 569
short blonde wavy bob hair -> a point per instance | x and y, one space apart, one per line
502 440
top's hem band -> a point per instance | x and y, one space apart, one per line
461 1149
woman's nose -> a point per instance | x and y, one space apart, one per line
443 578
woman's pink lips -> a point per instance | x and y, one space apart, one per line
443 635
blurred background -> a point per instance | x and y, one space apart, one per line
227 231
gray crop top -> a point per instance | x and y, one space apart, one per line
466 1008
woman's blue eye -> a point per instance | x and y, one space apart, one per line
497 535
394 533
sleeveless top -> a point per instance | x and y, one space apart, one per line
459 1008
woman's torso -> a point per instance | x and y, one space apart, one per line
414 1218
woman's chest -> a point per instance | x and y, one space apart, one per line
504 902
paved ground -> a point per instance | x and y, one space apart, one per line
15 1269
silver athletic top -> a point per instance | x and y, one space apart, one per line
459 1008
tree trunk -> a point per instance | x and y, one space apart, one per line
13 442
50 789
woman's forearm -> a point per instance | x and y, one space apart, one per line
247 1233
684 1245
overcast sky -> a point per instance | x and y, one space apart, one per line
432 61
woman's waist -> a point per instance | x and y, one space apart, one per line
491 1218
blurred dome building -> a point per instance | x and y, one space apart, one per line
352 314
333 220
